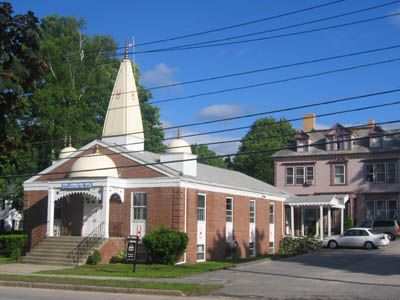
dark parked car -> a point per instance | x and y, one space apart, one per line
390 227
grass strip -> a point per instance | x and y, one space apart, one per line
143 270
6 260
186 288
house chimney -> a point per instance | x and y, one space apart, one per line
309 122
371 123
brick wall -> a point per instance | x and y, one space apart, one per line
35 216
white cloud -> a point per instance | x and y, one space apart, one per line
160 75
220 111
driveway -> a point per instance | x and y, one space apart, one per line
327 274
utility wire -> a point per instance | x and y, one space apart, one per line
290 26
291 108
239 25
266 150
278 122
364 126
311 61
189 46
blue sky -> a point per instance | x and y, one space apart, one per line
153 20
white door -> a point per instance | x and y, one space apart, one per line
91 215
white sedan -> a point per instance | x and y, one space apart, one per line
357 237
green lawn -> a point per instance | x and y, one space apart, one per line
186 288
5 260
143 270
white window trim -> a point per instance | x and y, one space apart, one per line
294 167
344 174
205 222
252 201
231 198
132 214
374 176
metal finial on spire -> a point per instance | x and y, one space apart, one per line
126 50
96 149
178 133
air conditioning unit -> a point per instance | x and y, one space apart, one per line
309 182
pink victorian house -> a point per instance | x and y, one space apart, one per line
357 167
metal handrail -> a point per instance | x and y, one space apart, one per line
87 243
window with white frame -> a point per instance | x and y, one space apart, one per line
299 175
140 206
201 207
252 211
200 252
229 209
271 213
302 145
382 209
339 174
340 142
381 172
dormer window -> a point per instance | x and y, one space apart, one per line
302 145
342 142
375 142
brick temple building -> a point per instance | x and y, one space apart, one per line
112 188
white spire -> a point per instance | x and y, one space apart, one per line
123 123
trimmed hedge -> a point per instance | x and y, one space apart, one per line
165 246
15 243
95 258
293 246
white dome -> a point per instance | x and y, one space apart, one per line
179 146
94 161
65 152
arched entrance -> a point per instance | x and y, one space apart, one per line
77 214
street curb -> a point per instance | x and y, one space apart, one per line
88 288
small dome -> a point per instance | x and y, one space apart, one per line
94 161
65 152
179 146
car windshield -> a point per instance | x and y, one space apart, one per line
372 231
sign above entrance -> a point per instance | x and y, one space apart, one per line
77 186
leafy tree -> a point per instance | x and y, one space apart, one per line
202 151
265 133
82 71
21 73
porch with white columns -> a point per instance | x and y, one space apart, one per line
321 204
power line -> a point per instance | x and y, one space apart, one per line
211 78
292 26
266 83
291 108
240 24
266 150
226 141
188 46
280 121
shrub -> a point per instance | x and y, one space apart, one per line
95 258
348 223
119 258
165 246
293 246
15 243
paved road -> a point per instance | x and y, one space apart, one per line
12 293
328 274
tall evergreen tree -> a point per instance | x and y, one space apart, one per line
265 133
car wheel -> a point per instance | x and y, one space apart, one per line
369 245
390 236
333 244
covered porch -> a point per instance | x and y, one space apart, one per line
315 215
81 208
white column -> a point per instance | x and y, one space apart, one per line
302 221
329 221
106 210
341 220
50 212
321 222
292 220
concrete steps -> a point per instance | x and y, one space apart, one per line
57 251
